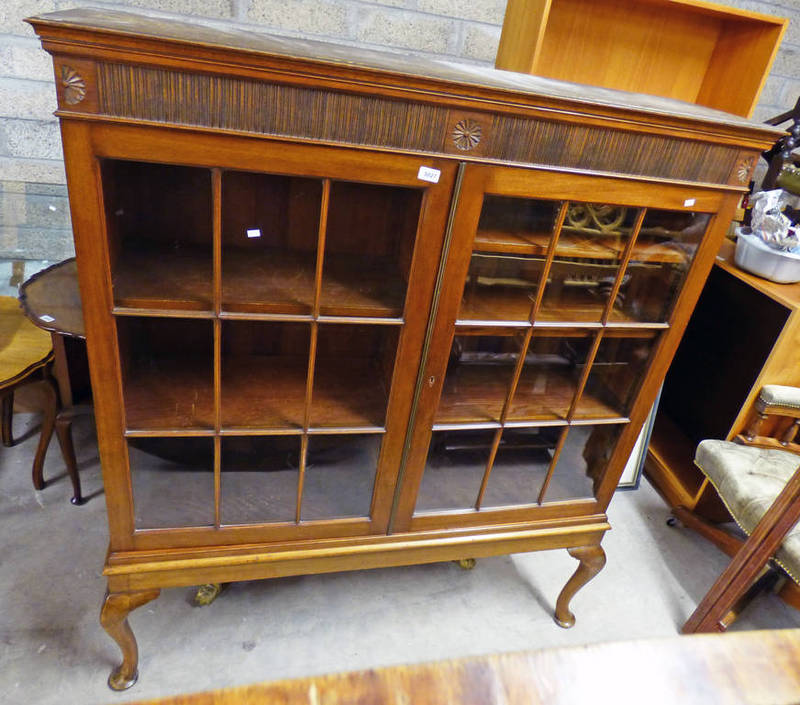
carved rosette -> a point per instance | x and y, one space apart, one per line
466 134
743 169
73 84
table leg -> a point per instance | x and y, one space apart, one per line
64 435
66 414
48 423
7 415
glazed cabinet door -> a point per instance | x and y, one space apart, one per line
556 295
269 303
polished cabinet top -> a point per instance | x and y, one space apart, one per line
115 25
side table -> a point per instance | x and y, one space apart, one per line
51 300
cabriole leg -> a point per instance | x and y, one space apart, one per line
592 559
64 435
7 414
114 619
48 424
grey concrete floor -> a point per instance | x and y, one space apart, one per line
52 649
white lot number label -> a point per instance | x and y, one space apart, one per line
425 173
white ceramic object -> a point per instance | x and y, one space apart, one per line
755 256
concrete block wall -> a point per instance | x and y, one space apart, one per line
34 216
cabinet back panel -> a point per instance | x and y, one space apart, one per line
730 334
285 210
157 204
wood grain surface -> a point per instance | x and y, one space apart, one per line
753 668
23 346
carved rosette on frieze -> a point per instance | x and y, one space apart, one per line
743 169
73 84
466 134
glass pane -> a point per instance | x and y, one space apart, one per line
264 369
258 479
270 226
615 376
352 375
172 481
500 287
340 475
478 376
369 245
582 461
659 264
551 374
516 225
454 470
520 466
167 372
588 254
159 229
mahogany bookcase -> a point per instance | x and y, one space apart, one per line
348 310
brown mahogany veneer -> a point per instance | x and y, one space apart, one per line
322 281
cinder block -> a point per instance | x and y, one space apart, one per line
773 87
491 11
762 113
201 8
407 30
12 12
792 35
24 207
35 171
30 139
791 91
480 42
304 16
30 100
408 4
50 212
24 58
787 63
36 243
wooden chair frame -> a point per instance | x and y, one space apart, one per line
751 557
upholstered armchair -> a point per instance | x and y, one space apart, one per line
757 478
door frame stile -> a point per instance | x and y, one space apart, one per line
437 291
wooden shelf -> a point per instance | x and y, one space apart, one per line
258 393
273 282
515 243
140 274
672 450
348 393
578 245
268 393
496 303
263 391
268 281
361 286
282 282
476 394
177 394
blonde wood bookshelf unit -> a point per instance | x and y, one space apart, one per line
743 334
350 310
692 50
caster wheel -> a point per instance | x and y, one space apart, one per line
206 594
672 521
466 563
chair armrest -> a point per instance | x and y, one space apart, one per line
779 399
